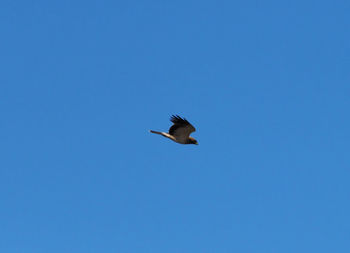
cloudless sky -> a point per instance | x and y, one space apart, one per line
266 84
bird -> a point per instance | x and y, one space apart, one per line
180 131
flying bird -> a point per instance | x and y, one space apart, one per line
180 131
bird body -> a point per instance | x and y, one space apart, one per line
180 131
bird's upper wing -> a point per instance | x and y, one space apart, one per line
181 128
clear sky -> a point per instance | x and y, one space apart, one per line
266 84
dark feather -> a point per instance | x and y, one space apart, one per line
176 119
178 122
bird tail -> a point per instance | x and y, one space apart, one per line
155 132
163 134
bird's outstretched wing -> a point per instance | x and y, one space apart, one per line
181 129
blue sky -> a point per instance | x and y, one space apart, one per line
266 84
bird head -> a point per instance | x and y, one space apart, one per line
193 141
